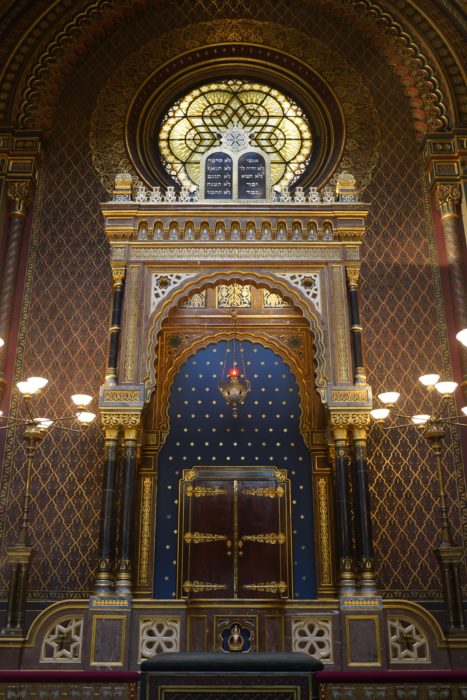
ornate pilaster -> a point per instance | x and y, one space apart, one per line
20 195
118 274
107 535
362 511
347 586
448 197
353 274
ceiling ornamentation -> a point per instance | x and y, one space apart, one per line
37 78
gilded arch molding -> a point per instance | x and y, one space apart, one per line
402 28
271 282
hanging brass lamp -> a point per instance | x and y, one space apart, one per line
234 385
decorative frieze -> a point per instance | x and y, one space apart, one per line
227 253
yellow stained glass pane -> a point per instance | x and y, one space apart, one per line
195 122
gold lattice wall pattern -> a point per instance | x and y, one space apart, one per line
400 304
64 335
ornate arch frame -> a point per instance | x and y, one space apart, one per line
270 281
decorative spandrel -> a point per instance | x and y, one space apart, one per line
251 176
218 176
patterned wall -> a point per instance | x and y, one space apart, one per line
203 432
65 328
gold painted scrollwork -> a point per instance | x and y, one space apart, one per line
120 420
203 537
268 587
348 419
266 492
145 531
265 538
202 586
200 491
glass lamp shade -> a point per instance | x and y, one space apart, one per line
38 382
420 419
429 379
389 397
85 417
379 414
462 336
81 399
26 388
446 388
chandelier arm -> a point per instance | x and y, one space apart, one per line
28 408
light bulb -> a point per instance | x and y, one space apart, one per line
85 417
429 379
2 342
446 388
379 414
464 410
420 419
462 336
38 382
389 397
81 399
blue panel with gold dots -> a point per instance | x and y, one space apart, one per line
204 432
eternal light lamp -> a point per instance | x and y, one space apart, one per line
35 429
432 427
234 385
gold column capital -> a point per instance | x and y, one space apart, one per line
130 434
447 196
111 434
353 277
359 434
21 194
118 274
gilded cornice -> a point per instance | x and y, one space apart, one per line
70 27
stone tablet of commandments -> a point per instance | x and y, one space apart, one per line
235 170
218 176
251 176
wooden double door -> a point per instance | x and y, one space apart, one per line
234 533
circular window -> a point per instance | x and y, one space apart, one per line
196 122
